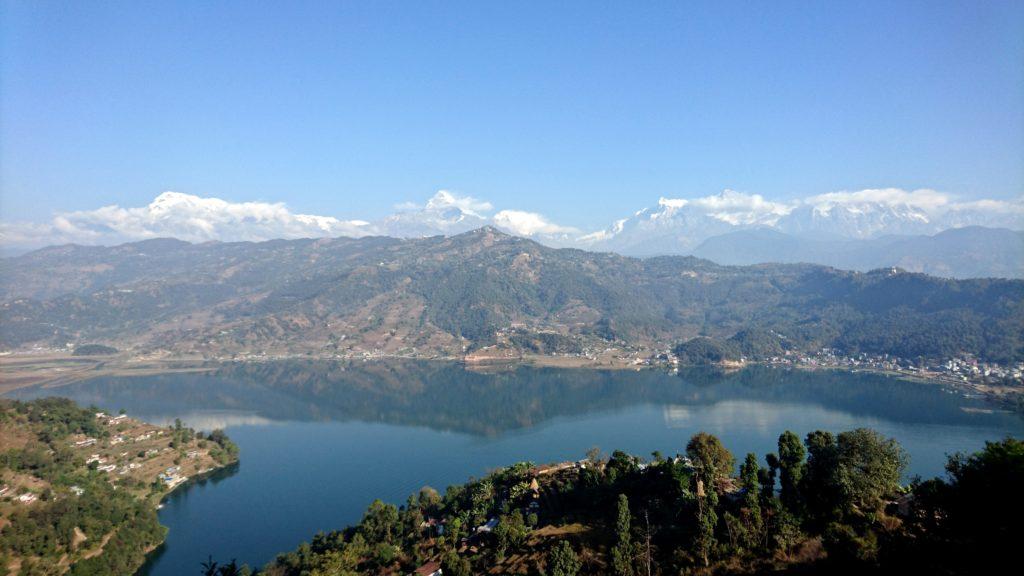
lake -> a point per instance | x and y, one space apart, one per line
320 440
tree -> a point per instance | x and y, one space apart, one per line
970 523
622 553
819 483
380 522
620 466
510 532
871 465
791 466
749 472
429 499
563 561
707 519
766 476
455 531
711 460
454 565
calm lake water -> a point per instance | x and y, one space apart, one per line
319 441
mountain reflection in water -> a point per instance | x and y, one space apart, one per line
320 440
446 396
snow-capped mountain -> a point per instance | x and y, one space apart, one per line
856 220
444 214
678 226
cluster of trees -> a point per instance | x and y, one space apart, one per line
53 418
829 503
224 450
93 350
750 343
221 448
545 342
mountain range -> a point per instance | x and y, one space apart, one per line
449 295
915 230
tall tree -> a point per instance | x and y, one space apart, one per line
707 519
710 458
751 499
820 484
622 553
791 467
767 477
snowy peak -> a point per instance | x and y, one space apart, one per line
677 225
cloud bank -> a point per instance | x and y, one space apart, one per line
860 213
183 216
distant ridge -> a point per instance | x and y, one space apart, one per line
969 252
483 288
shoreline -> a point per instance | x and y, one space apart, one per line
207 475
53 370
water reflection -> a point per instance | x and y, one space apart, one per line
445 396
320 440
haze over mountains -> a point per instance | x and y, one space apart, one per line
915 230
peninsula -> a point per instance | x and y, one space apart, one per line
79 487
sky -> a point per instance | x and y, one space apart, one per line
580 111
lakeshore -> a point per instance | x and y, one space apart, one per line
53 369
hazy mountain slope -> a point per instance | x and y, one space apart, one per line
972 252
448 294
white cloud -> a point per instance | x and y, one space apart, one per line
529 223
731 207
922 199
183 216
996 206
738 208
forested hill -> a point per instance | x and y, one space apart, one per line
449 295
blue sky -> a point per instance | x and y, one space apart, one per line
581 111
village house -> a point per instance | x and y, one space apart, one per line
487 527
434 526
